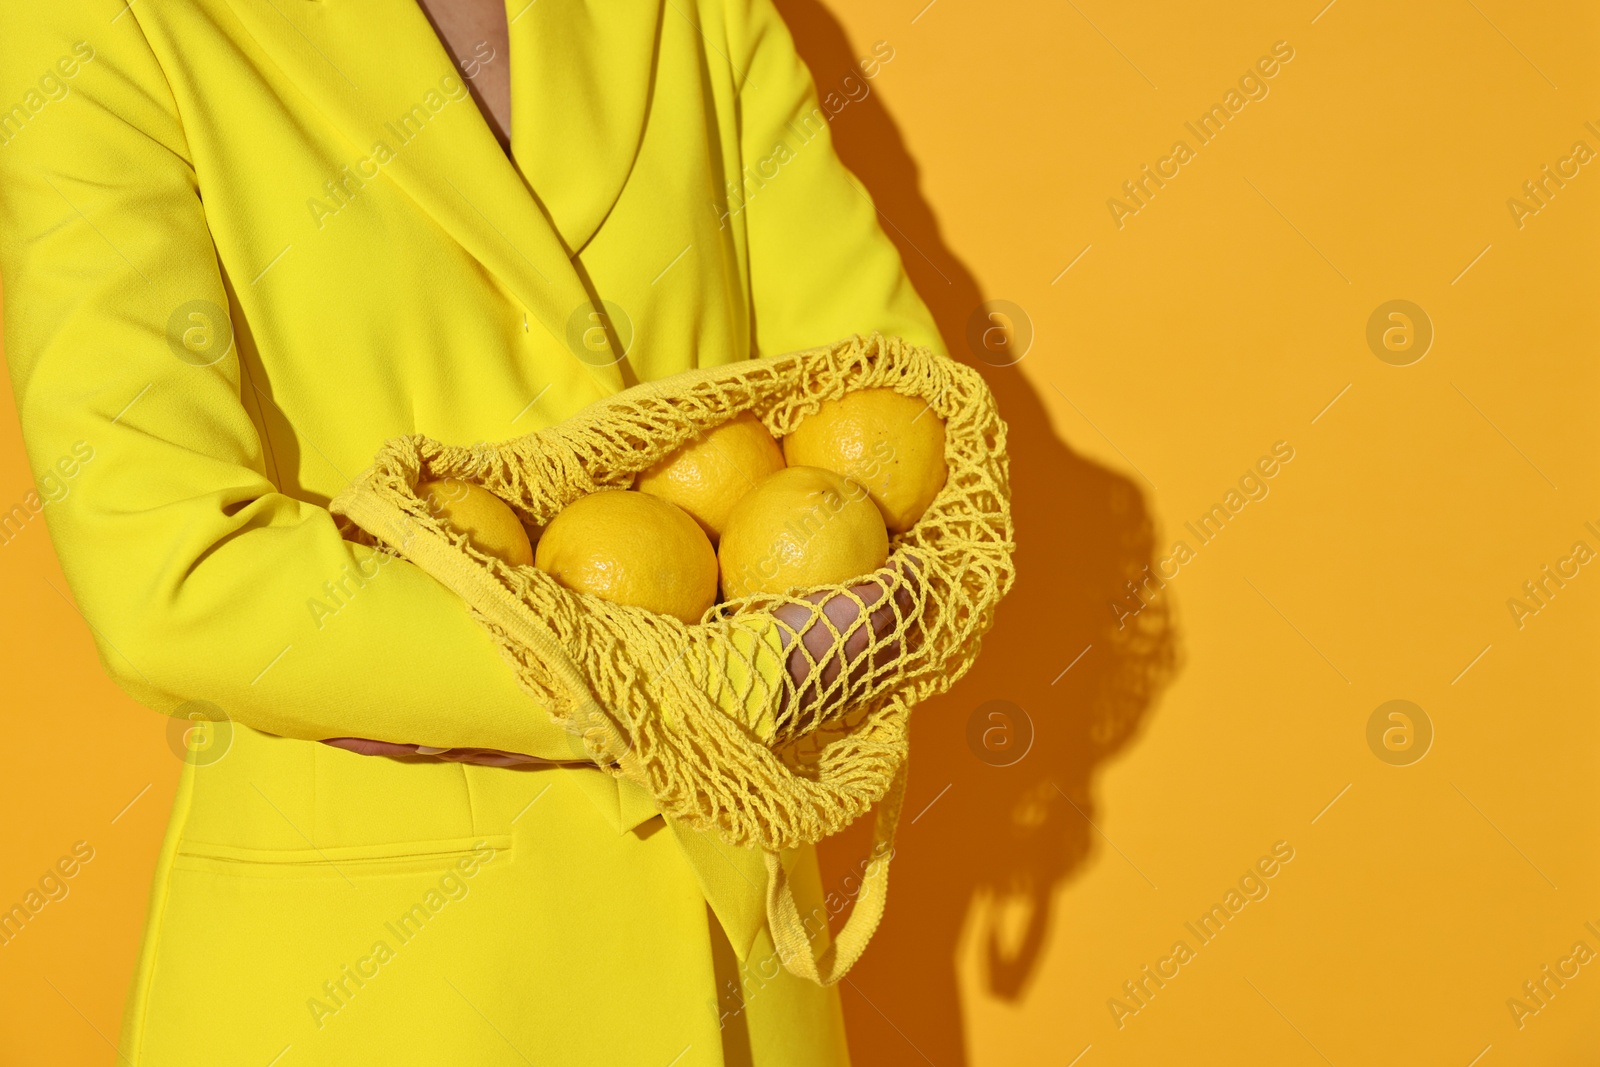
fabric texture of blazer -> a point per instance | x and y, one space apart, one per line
242 243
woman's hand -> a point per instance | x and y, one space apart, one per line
817 639
817 694
484 757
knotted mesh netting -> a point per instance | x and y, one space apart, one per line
775 720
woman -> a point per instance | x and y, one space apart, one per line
243 242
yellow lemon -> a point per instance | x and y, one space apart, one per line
802 526
488 521
707 477
889 442
631 548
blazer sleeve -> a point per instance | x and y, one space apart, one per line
820 265
191 569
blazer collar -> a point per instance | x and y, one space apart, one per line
580 78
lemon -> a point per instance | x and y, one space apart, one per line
488 521
631 548
707 477
890 443
802 526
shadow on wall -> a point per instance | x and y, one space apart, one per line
1012 834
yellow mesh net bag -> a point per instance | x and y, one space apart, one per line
701 715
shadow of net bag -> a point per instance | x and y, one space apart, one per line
639 692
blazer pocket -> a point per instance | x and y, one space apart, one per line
462 855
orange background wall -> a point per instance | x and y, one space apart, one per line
1135 775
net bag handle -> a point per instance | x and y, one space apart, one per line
789 935
467 579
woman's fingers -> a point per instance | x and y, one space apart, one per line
486 757
817 658
366 746
489 757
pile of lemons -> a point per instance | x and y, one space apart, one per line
735 510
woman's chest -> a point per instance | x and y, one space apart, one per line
392 271
476 33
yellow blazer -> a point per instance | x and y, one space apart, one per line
242 243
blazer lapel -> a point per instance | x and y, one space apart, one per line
377 72
581 75
581 81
